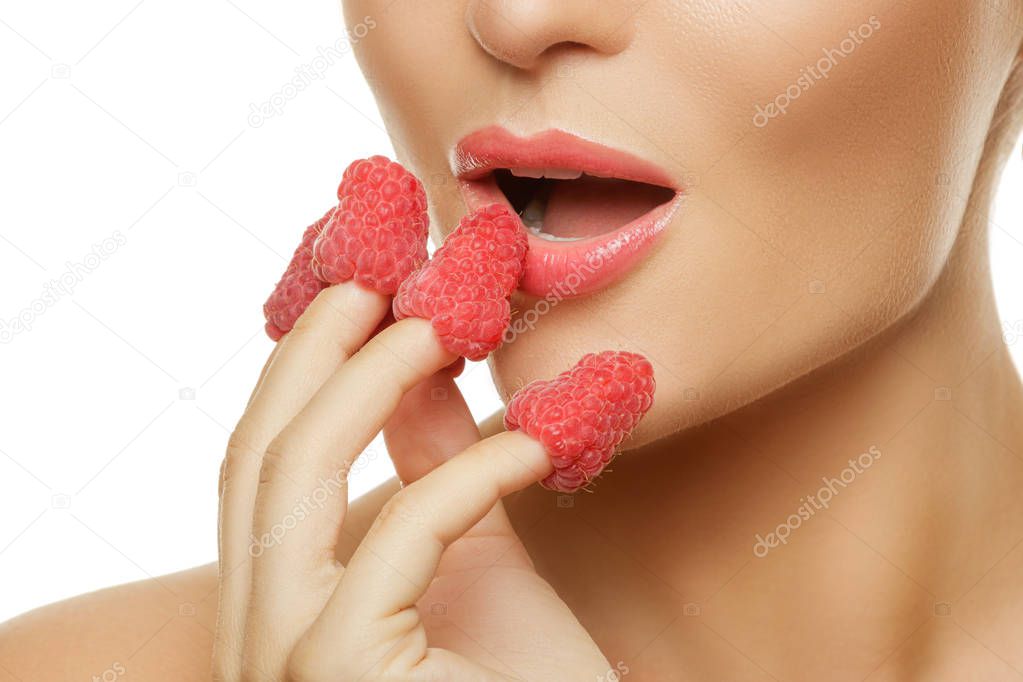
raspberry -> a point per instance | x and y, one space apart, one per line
298 286
378 233
583 414
464 289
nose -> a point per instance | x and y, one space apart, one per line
521 32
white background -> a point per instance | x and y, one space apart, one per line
130 121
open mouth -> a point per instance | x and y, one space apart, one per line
568 205
592 213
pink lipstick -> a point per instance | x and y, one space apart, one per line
591 212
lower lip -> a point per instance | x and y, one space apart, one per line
576 268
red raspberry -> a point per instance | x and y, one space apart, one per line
378 233
463 290
298 286
583 414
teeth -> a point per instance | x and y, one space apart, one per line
550 173
527 172
550 237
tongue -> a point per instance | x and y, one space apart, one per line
590 206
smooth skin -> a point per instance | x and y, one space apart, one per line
824 289
289 610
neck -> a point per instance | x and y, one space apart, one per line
845 514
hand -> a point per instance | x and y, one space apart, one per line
289 611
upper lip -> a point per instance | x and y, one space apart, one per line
566 265
480 153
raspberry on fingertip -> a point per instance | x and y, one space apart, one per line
584 413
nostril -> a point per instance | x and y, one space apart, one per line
524 33
567 48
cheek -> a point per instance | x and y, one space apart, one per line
825 128
857 153
803 237
809 228
417 61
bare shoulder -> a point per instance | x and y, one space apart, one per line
157 629
152 630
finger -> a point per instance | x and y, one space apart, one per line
255 389
302 496
308 462
431 425
398 558
492 425
262 373
334 326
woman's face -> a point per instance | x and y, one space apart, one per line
823 153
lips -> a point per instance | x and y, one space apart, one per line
591 212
